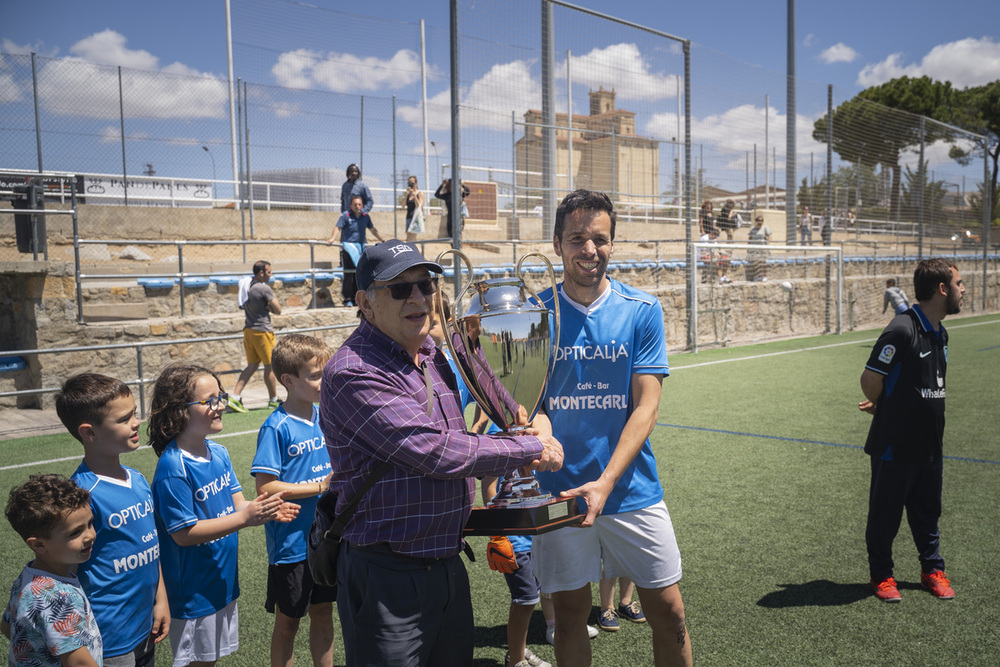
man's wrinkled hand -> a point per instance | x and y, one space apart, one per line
500 555
551 457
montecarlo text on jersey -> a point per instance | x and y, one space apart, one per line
136 560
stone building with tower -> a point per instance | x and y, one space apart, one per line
607 154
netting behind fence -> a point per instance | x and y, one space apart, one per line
326 88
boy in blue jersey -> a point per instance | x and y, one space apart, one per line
512 556
122 577
291 457
602 402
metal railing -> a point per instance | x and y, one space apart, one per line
141 381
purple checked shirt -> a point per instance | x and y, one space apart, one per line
374 407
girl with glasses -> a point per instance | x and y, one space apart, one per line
199 506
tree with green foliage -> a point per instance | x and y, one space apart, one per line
979 112
854 186
881 122
922 195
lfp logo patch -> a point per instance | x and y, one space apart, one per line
888 352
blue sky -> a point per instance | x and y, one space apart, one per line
850 44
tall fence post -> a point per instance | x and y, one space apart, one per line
38 123
548 120
987 210
791 180
76 252
513 232
142 382
180 270
922 176
395 192
121 119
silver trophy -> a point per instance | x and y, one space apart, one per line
502 339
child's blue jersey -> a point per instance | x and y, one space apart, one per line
200 579
122 574
589 397
293 450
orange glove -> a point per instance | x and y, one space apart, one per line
500 555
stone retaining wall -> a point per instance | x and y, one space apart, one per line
38 308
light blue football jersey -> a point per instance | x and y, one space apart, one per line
589 399
122 574
200 579
293 450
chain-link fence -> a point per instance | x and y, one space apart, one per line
661 124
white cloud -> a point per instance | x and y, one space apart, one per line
487 103
346 72
967 62
936 157
9 89
621 67
511 86
809 40
285 109
108 48
737 130
113 135
838 53
86 84
83 89
9 46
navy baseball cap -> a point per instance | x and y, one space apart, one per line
386 260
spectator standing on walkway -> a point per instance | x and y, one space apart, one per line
706 220
414 200
258 336
444 194
353 225
759 235
355 187
805 226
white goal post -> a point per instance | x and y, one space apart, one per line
751 292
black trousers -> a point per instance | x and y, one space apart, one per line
402 611
917 488
348 286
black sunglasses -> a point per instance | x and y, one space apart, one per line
402 291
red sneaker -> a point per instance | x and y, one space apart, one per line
886 590
939 586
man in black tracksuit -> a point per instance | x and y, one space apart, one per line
904 384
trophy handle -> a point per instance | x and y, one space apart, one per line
555 293
455 310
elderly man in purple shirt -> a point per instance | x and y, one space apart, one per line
389 395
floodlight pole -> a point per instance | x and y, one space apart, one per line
548 121
791 180
456 158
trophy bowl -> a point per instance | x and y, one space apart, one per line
502 339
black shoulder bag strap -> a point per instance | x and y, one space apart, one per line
337 527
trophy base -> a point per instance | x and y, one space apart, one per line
530 516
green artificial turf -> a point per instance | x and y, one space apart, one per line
759 452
